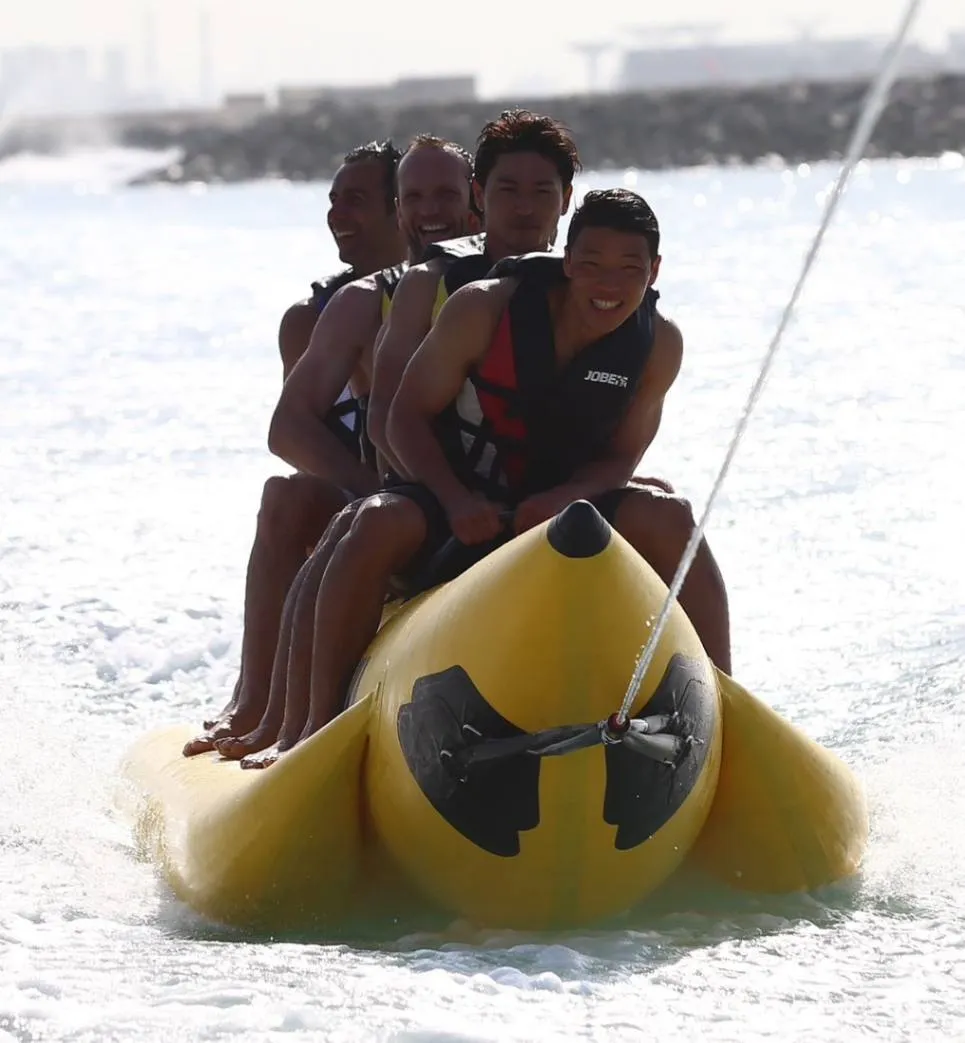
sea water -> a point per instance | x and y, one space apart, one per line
138 370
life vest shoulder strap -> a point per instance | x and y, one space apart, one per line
325 289
388 281
459 273
543 269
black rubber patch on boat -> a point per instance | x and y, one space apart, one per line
496 800
493 801
642 794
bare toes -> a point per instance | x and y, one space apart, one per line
199 744
264 759
233 748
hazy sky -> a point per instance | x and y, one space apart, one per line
259 44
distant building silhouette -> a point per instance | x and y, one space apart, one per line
703 62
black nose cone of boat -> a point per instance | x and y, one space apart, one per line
579 531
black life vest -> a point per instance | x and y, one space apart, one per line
522 424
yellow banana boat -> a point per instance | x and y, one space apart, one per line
478 765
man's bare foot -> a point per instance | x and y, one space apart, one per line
233 747
265 758
226 726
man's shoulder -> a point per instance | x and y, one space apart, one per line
482 297
300 313
375 282
666 354
424 271
667 333
419 285
359 289
359 299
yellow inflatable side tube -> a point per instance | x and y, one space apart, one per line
789 815
278 847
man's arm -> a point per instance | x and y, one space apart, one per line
294 334
458 340
405 328
630 441
298 432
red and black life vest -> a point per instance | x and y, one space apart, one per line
521 423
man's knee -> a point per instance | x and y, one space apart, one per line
651 483
297 508
655 512
386 530
277 500
342 521
338 527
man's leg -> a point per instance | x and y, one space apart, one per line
387 533
232 747
658 526
229 706
294 513
287 709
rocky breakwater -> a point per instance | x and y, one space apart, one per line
798 122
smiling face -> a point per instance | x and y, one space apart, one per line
433 197
359 216
609 273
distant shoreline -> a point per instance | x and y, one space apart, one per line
801 122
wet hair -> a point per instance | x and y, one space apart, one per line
387 156
620 210
421 141
519 130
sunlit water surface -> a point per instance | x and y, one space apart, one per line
139 368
